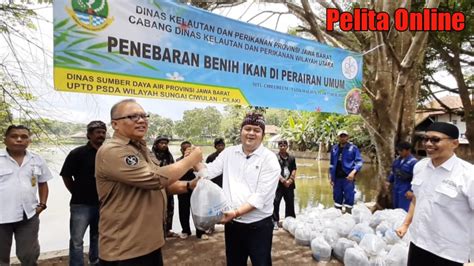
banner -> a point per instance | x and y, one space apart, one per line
168 50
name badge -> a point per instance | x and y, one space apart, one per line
33 180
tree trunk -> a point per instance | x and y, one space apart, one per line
391 77
455 67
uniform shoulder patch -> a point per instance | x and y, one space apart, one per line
131 160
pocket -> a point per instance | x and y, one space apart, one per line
36 170
416 185
5 174
446 196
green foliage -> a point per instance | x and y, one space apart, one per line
230 126
300 131
16 18
309 130
158 125
198 124
276 117
234 114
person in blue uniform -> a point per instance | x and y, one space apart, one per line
346 162
401 175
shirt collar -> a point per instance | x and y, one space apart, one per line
258 151
28 154
89 146
448 165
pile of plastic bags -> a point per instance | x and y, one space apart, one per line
362 238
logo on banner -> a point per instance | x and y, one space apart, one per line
90 14
353 101
349 67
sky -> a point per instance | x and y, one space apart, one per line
81 108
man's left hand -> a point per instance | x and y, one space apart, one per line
193 183
351 176
228 216
39 210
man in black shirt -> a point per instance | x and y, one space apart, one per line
78 176
286 186
163 155
219 144
184 201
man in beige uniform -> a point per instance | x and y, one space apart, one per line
131 190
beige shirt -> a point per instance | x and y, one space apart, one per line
132 200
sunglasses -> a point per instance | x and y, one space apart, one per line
433 140
134 118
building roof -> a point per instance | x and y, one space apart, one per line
271 129
433 108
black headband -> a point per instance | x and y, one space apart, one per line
254 120
446 128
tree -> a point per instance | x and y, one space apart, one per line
232 118
454 52
391 70
276 117
17 24
300 130
234 114
158 125
199 123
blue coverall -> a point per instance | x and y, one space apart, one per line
344 189
401 176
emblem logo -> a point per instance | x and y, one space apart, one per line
353 101
349 67
131 160
90 14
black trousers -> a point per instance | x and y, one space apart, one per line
289 195
184 206
152 259
244 240
418 256
169 214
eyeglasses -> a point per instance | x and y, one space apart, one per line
433 140
134 118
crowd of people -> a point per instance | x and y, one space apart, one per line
123 192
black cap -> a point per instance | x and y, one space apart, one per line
448 129
161 137
95 124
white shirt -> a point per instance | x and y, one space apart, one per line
443 221
253 180
19 185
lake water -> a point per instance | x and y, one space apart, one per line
312 188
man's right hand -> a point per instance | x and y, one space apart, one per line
228 216
402 230
194 153
331 182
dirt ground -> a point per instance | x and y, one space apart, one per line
193 251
